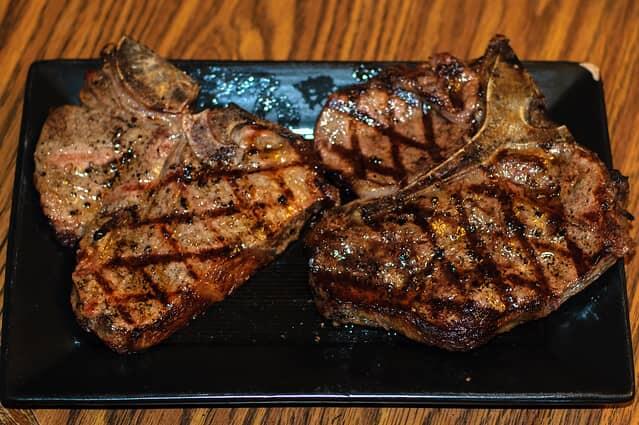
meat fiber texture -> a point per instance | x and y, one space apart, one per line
173 210
506 228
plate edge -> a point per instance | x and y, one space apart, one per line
16 204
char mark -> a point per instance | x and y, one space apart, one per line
124 313
395 150
287 195
187 217
187 175
429 135
151 259
104 283
176 247
518 229
349 109
357 157
477 250
251 210
581 261
206 174
361 164
156 290
449 271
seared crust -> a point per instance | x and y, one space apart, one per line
504 231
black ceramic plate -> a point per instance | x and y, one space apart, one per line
266 343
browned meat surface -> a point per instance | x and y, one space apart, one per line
174 210
380 135
198 232
117 140
504 231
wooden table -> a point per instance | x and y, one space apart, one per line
604 33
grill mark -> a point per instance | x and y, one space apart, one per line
477 248
431 100
104 283
417 280
358 161
529 304
449 270
406 254
429 136
132 222
246 207
506 206
186 217
581 261
190 270
357 157
395 152
204 175
135 298
152 259
175 245
543 245
556 211
119 218
124 313
177 255
558 220
354 155
156 290
340 106
286 191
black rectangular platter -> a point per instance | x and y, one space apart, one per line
266 344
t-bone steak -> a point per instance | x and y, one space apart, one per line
503 231
174 210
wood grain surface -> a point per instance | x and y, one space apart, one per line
604 33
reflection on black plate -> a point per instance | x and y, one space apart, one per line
267 343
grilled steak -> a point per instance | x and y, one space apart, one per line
381 134
174 209
504 231
96 154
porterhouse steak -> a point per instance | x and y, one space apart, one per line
183 207
504 231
